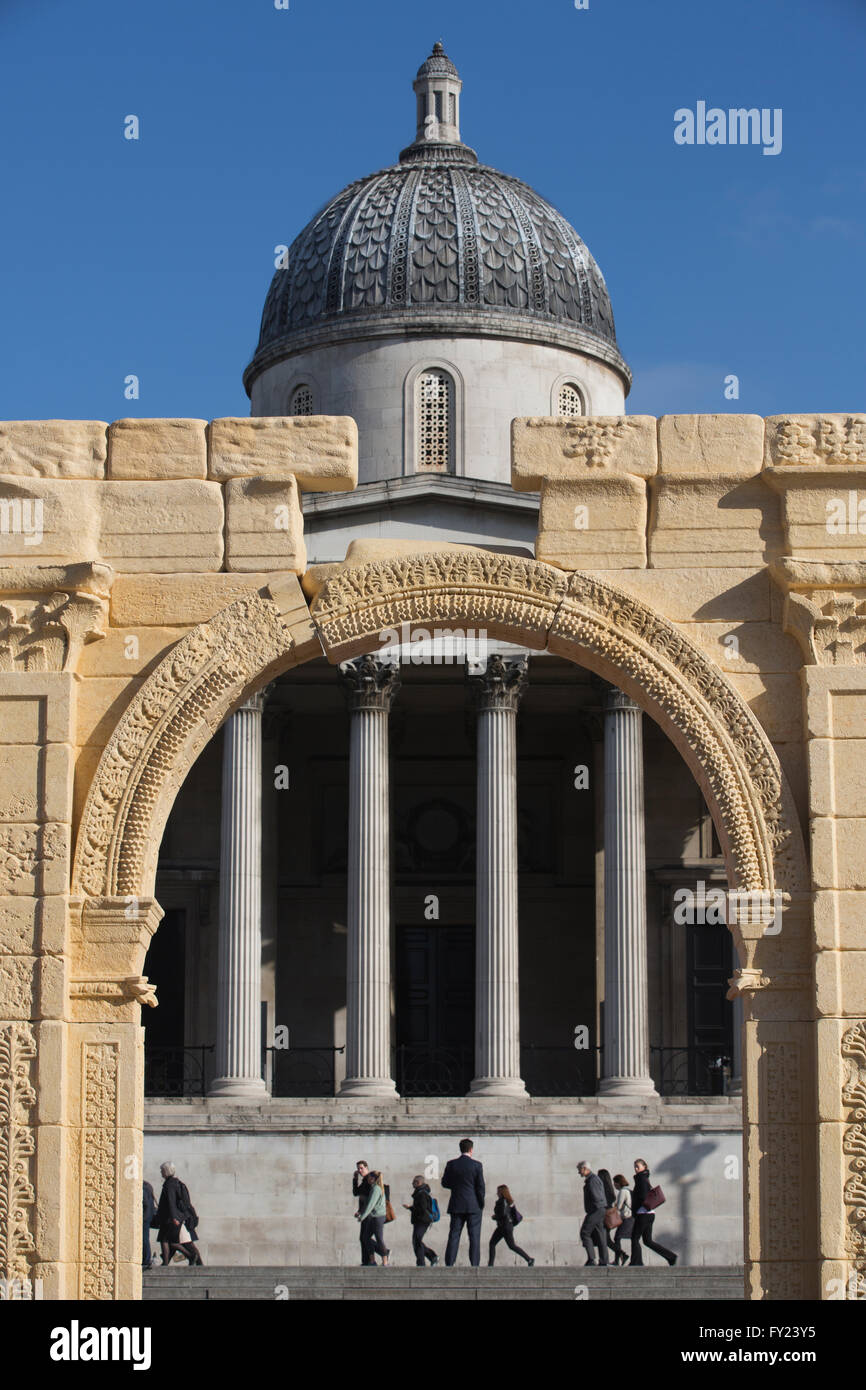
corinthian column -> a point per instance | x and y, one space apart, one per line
625 1069
239 1043
370 685
497 1002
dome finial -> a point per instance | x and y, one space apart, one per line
438 88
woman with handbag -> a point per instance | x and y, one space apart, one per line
372 1213
506 1216
624 1227
645 1199
176 1219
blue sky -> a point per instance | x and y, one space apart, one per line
153 257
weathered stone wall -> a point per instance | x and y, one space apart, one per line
714 567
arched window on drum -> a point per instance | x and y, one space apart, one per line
570 400
435 416
302 400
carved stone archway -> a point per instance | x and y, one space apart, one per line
578 616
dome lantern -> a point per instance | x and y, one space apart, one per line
437 87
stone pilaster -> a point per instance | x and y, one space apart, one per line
625 1069
239 1043
371 685
497 1001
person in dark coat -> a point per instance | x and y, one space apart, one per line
464 1177
503 1214
643 1219
610 1199
594 1205
363 1182
421 1208
175 1210
148 1212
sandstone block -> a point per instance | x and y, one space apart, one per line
17 986
34 859
832 1068
157 450
835 701
597 521
827 520
47 521
711 446
188 598
20 720
53 448
556 449
839 854
264 525
837 777
132 651
321 451
840 921
48 692
736 595
18 930
841 983
746 647
101 702
159 527
775 701
727 523
833 1226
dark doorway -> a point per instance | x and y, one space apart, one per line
435 1010
709 966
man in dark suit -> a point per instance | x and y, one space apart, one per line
594 1205
464 1176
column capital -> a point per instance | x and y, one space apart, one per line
255 703
616 700
369 682
501 684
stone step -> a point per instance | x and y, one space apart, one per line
350 1283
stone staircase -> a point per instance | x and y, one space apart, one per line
462 1282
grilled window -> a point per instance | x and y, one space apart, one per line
570 400
302 401
435 421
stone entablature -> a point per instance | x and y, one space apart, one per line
151 600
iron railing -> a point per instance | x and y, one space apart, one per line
176 1071
690 1071
560 1071
434 1071
304 1071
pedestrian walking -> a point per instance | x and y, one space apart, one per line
372 1211
464 1177
176 1218
506 1216
148 1212
623 1206
425 1210
594 1206
644 1218
603 1234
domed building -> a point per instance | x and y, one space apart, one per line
433 302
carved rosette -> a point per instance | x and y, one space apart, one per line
854 1141
99 1171
17 1145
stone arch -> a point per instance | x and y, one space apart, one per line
576 615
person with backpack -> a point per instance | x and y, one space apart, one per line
506 1216
425 1210
644 1215
176 1218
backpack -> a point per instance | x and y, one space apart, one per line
434 1209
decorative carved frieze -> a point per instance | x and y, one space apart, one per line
825 608
817 440
136 987
17 1145
854 1141
47 634
99 1170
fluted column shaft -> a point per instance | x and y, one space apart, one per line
497 1000
625 1070
371 685
238 1050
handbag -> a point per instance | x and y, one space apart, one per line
653 1199
516 1217
612 1218
182 1236
389 1211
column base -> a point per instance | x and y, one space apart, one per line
623 1087
368 1088
249 1088
508 1086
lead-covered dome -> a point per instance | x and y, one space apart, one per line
438 243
